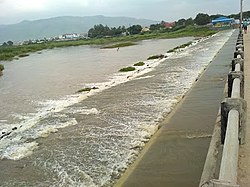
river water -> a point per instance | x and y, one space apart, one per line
52 136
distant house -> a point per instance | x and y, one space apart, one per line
69 36
223 22
168 25
145 29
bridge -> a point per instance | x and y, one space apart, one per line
205 141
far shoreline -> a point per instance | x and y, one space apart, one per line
9 53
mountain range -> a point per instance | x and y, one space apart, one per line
38 29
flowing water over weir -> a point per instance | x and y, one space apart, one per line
98 134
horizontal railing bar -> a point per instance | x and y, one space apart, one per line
229 162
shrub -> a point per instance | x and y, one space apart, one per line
155 57
139 64
1 67
84 90
127 69
23 55
171 50
87 89
180 47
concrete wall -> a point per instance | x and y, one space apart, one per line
220 170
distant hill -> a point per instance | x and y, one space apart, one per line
38 29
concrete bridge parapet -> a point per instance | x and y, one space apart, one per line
230 132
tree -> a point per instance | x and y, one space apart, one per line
189 21
154 27
202 19
135 29
99 31
10 43
4 44
181 22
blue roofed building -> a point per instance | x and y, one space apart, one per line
223 22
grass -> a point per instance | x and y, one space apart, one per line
86 89
127 69
139 64
155 57
179 47
124 44
8 53
1 67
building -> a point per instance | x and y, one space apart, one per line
69 36
223 22
145 29
168 25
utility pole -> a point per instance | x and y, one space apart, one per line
241 15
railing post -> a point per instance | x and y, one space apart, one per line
240 105
239 46
239 52
228 172
238 61
236 75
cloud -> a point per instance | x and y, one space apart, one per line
169 10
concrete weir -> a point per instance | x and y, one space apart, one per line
176 154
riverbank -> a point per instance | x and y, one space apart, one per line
9 53
176 153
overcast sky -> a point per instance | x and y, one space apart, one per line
14 11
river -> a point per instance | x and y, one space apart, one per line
53 136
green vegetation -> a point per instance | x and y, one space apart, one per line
202 19
10 52
124 44
139 64
86 89
155 57
179 47
127 69
1 67
99 31
237 16
135 29
23 55
171 50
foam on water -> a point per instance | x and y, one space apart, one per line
51 107
130 128
17 152
145 77
85 111
125 135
